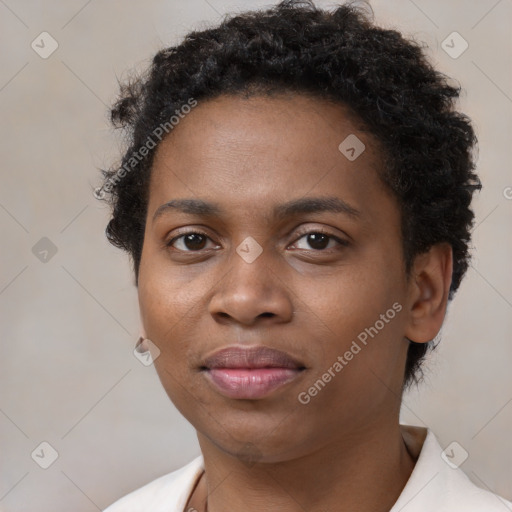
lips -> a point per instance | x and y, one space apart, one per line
251 357
250 372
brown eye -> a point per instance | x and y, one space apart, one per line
189 242
319 241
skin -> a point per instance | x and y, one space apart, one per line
248 155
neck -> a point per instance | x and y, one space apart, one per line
363 471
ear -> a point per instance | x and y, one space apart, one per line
429 286
142 329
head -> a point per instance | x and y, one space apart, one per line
333 149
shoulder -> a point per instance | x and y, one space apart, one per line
167 493
438 483
460 493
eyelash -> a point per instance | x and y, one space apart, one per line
302 234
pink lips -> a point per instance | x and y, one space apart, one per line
250 372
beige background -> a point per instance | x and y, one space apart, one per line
68 326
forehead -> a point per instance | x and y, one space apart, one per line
250 151
292 125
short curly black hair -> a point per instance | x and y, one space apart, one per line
340 55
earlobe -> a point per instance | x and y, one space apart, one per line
429 287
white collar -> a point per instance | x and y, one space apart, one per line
432 485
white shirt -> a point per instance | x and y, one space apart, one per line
433 486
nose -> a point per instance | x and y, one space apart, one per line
251 292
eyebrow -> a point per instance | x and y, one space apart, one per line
292 208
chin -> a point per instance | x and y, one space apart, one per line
259 438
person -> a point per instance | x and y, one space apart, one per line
296 202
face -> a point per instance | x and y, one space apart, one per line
297 249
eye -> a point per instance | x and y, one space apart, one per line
195 241
320 240
191 241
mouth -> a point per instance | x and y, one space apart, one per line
241 372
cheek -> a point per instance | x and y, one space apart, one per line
166 310
166 303
363 314
361 307
354 297
166 292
